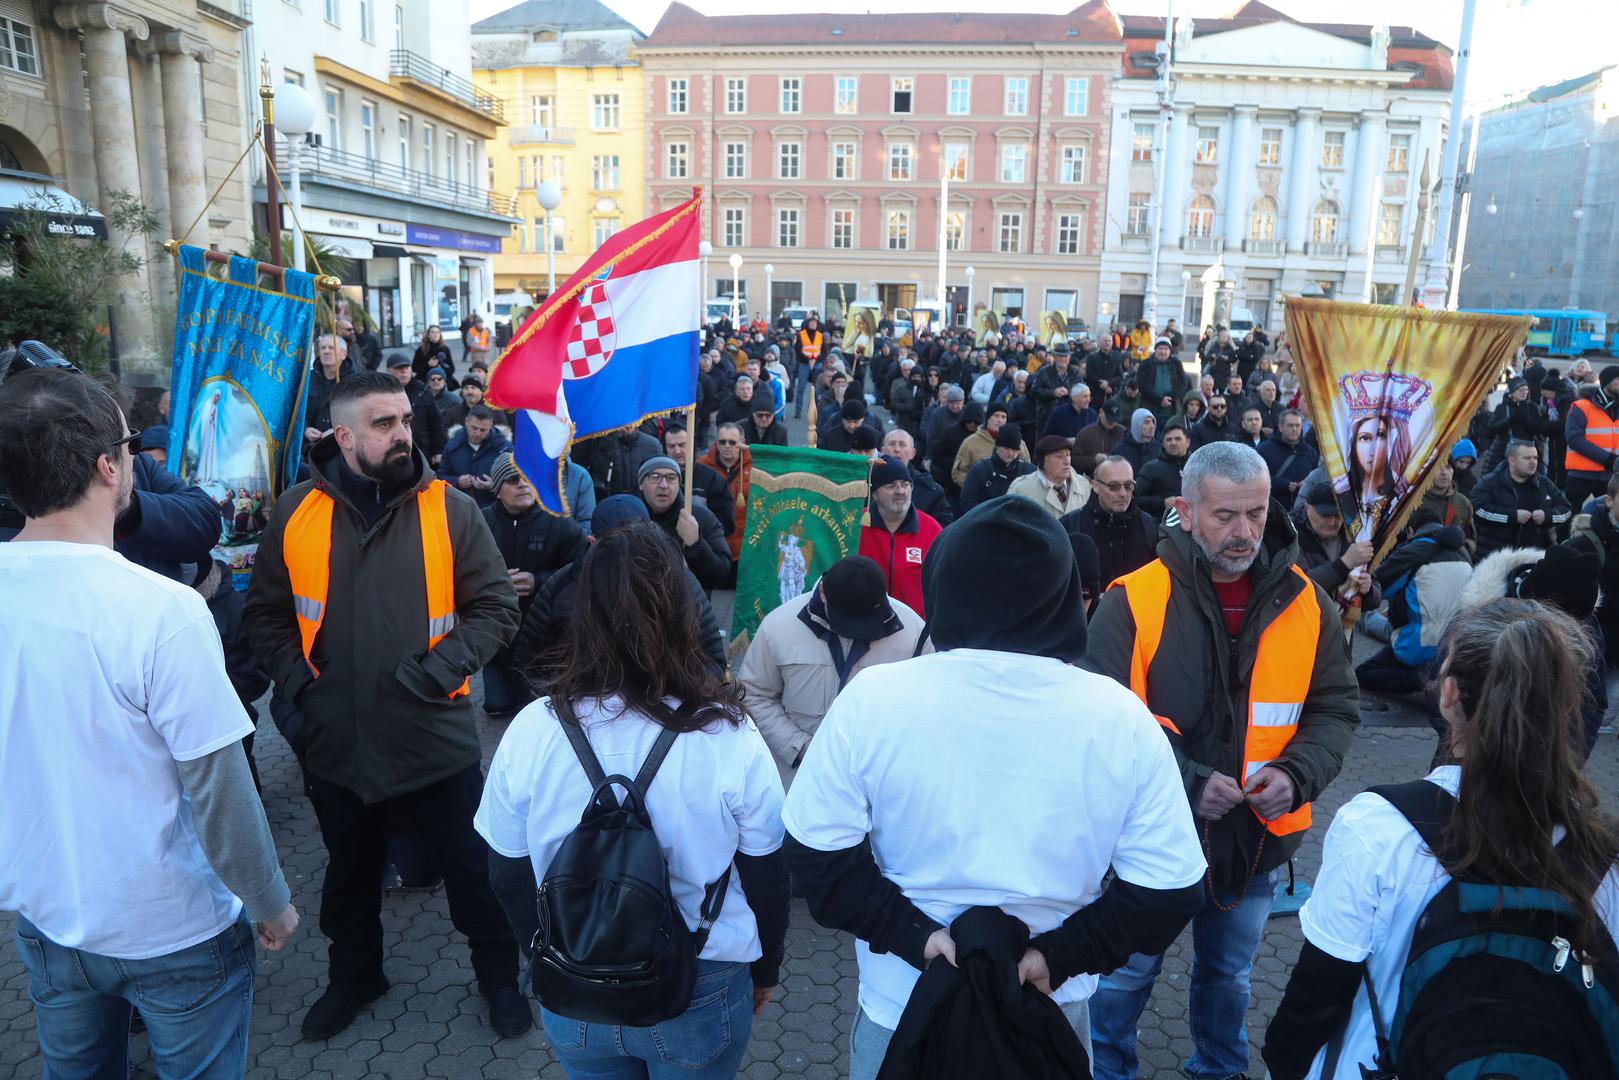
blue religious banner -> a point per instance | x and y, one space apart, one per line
241 362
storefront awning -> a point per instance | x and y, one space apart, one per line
347 246
65 215
388 251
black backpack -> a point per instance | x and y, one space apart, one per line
613 947
1492 989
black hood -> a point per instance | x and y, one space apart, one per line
326 468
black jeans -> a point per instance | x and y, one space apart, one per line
351 896
1582 486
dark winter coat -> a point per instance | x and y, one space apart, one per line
614 460
169 528
1207 430
1124 542
710 557
928 497
1095 443
461 458
535 542
1044 385
1495 512
1327 570
1068 421
708 488
988 479
1157 483
1289 464
1600 537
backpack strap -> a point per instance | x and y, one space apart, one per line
1425 805
581 745
713 901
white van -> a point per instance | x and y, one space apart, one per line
1242 321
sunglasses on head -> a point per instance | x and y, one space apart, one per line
132 440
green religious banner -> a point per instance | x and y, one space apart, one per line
804 514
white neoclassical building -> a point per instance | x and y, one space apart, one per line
1291 159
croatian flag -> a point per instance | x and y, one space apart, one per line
616 344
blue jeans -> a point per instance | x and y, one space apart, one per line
868 1040
801 377
197 1004
1223 947
707 1040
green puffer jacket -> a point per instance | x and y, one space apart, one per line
379 720
1194 681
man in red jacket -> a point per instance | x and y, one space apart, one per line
899 535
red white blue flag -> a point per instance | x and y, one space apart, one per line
616 344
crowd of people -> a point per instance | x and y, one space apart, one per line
965 745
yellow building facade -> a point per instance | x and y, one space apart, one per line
576 117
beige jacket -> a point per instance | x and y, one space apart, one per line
790 681
975 448
1035 486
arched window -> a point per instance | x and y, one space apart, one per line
1262 219
8 160
1200 216
1324 222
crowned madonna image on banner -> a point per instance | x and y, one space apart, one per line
1390 390
804 514
241 354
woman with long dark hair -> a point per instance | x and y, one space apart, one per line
432 352
630 666
1511 674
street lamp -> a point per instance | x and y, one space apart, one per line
704 249
736 287
972 272
1186 279
1492 209
770 296
295 116
549 196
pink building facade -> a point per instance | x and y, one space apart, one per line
820 141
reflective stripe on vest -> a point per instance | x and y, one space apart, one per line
1276 690
307 552
1601 430
810 346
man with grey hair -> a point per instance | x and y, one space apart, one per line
1258 700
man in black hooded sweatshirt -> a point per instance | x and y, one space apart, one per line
922 761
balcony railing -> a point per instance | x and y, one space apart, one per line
529 134
1334 249
1262 247
1211 245
326 163
1391 253
404 64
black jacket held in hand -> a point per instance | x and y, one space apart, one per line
975 1020
535 542
380 720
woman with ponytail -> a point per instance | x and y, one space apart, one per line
1523 815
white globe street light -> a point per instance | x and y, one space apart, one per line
972 272
736 266
294 117
549 196
1186 279
770 297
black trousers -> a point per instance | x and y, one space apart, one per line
1581 485
351 896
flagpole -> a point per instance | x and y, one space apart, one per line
691 452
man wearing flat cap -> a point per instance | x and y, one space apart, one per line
1054 484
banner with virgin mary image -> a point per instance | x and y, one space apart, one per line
236 405
1389 391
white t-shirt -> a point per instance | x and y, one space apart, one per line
109 674
716 793
993 779
1376 877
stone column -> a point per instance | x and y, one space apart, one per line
112 124
182 56
1369 157
1239 169
1177 178
1303 176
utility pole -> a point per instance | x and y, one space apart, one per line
1439 272
1160 166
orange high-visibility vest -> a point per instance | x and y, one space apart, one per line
1281 675
1601 430
307 551
477 337
810 346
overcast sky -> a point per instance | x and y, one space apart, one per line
1517 44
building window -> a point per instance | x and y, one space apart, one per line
1399 153
843 227
604 230
1141 136
959 101
955 160
334 11
1388 224
428 147
1208 145
736 161
449 156
844 161
736 231
1332 149
903 87
846 99
898 231
522 239
792 94
1262 219
1200 216
789 155
404 141
604 172
1017 97
542 110
677 160
1014 163
955 231
787 218
399 27
1270 146
365 20
334 119
604 112
736 95
368 129
559 167
1076 99
1068 234
523 181
1135 216
559 233
677 95
900 160
1011 232
1073 164
1324 222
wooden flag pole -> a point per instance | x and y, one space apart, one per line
691 452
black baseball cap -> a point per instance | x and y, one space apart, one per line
857 599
